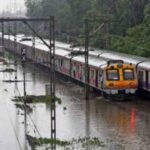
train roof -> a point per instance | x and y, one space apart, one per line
95 55
96 62
107 54
61 52
126 58
145 65
38 43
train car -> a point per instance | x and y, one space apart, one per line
119 78
143 70
101 71
78 70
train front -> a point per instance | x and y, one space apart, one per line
120 79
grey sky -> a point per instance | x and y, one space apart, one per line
11 5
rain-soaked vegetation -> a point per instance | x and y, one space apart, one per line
36 99
25 103
8 70
23 107
81 143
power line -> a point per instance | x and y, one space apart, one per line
25 108
13 127
34 124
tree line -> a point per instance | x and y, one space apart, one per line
119 25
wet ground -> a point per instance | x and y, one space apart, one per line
120 125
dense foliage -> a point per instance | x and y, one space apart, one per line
120 25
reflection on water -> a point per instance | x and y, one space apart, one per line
121 125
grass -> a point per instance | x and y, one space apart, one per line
21 106
82 143
36 99
8 70
33 141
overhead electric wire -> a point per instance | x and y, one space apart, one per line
40 142
27 113
13 127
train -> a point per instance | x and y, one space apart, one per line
111 73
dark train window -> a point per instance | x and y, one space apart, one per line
112 74
128 74
61 62
141 75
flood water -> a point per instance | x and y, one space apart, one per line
120 125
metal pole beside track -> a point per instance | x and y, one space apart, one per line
9 32
86 59
33 51
2 23
23 59
52 82
15 47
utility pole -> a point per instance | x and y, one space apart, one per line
86 54
15 47
8 32
23 61
52 81
33 49
2 23
86 59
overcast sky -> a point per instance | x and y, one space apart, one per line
11 5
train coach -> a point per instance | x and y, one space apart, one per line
142 66
113 78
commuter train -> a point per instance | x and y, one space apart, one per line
119 76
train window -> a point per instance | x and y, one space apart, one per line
77 68
128 74
92 74
141 75
61 62
112 74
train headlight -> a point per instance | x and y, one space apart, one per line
132 84
111 84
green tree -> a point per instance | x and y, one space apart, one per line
124 23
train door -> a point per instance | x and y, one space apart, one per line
146 79
149 80
73 69
141 78
96 81
91 76
100 79
66 66
83 73
56 63
70 69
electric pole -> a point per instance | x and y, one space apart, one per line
52 82
2 23
86 59
15 47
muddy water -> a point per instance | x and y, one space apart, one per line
120 125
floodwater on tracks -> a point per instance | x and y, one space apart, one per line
120 125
